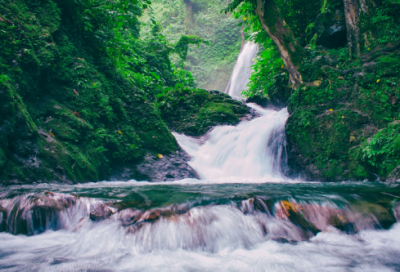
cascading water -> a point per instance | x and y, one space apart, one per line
242 70
251 151
206 225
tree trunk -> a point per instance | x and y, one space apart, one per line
352 14
275 26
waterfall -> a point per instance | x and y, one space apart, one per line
251 151
242 70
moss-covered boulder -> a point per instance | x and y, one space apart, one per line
195 111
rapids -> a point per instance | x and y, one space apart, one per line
198 226
243 215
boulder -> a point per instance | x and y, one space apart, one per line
167 167
101 211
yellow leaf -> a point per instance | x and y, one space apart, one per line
282 66
120 132
330 110
342 116
244 18
378 81
160 156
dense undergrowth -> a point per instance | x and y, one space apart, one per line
343 123
78 88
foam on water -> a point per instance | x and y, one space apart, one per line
253 151
206 239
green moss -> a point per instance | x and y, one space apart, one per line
70 112
195 111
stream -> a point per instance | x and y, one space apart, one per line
244 214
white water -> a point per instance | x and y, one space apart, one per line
249 152
214 237
242 71
211 238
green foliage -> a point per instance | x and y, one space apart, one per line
211 64
268 72
382 152
76 88
299 14
195 111
384 23
182 46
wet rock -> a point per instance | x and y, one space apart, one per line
331 29
372 215
3 215
167 168
396 210
129 216
33 214
394 176
101 211
259 100
314 218
254 204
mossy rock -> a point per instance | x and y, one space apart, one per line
195 111
382 215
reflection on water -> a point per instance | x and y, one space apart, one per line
198 227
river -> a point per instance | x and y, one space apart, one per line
244 214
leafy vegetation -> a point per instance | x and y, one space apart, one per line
341 124
211 64
78 87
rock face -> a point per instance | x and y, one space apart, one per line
331 29
158 168
167 168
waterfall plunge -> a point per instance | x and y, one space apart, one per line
253 151
242 71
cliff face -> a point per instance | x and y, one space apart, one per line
344 122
